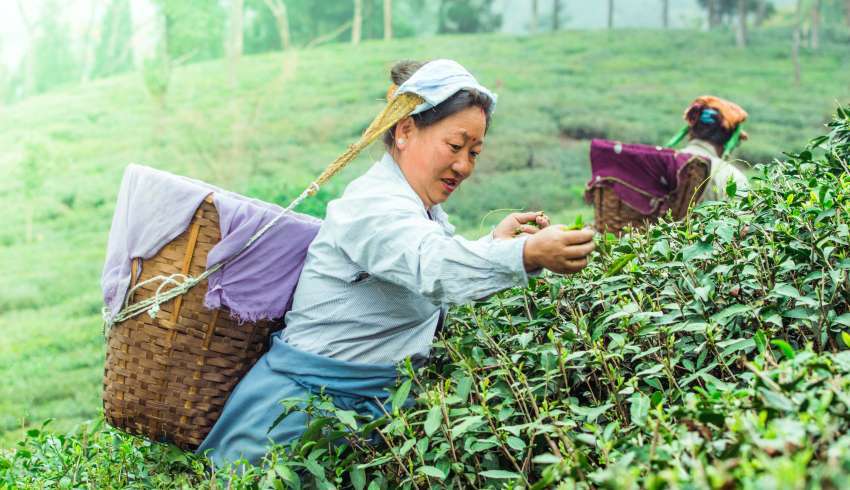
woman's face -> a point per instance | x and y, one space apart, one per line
436 159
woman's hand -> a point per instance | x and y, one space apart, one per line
560 251
518 223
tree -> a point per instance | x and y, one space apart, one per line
742 24
28 82
534 17
235 37
610 14
665 13
814 34
194 29
52 61
357 22
847 11
725 11
89 42
388 20
556 15
458 16
795 42
113 53
713 8
281 17
761 12
156 69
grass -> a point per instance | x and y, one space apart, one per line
289 115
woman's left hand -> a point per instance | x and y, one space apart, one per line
518 223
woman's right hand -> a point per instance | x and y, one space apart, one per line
560 251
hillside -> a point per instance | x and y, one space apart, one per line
290 115
706 354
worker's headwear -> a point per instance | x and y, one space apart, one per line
709 109
430 85
438 80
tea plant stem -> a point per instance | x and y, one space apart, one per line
527 308
559 348
447 425
504 449
395 456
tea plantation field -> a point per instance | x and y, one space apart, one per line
655 373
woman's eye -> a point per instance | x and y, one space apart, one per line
474 154
455 148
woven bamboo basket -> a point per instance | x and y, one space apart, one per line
167 378
612 215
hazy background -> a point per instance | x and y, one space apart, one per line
259 95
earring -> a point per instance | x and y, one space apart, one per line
401 141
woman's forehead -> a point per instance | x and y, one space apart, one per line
469 124
467 136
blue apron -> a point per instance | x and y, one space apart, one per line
242 431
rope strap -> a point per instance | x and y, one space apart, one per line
396 109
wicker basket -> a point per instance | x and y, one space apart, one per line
167 378
611 214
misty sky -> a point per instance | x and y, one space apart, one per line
577 14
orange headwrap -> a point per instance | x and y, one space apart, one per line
731 114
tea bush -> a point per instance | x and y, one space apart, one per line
702 354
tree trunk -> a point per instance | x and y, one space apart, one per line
556 15
281 18
388 19
665 13
357 22
534 17
814 39
234 51
235 39
742 24
713 14
761 12
90 43
610 14
847 12
795 43
28 58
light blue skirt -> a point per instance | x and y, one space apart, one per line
242 431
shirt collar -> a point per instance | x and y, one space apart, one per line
389 168
703 145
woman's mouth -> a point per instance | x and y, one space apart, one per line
449 185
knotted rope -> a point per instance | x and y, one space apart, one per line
396 109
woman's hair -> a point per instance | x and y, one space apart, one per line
706 125
461 100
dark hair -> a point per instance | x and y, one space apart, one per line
461 100
713 132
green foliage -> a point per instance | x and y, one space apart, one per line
51 348
53 62
194 28
113 52
156 73
653 376
663 374
468 16
34 167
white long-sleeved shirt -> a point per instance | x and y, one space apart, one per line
721 171
381 273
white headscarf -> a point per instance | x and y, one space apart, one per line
438 80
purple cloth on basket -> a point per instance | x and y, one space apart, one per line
154 207
259 283
641 175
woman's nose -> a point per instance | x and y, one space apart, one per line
463 166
